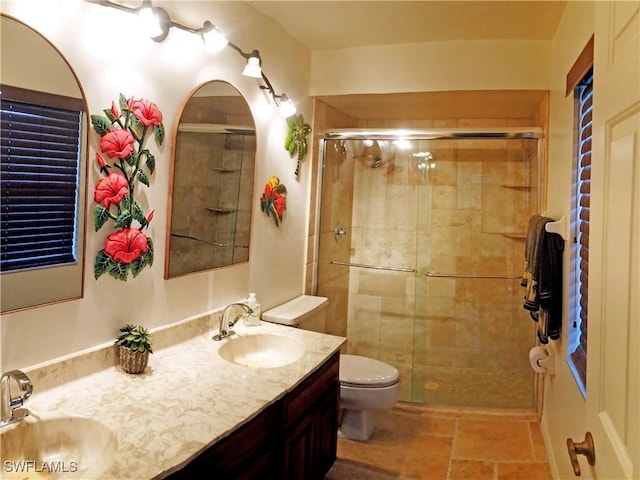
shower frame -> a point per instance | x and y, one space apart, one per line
438 134
477 133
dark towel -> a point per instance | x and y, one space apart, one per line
543 278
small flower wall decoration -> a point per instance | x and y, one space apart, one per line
123 130
274 199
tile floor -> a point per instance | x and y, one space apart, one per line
412 442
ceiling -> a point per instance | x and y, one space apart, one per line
326 25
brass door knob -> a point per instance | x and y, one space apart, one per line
585 448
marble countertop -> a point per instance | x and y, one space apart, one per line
187 399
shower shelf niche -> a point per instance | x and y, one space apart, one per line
515 235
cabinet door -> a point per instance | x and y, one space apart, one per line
326 431
311 424
299 449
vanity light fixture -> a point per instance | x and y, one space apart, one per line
213 40
252 68
156 22
287 108
284 104
149 21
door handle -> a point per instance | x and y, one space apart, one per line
585 448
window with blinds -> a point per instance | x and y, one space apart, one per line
39 159
584 96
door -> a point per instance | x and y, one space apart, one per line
613 381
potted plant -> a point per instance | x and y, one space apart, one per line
134 347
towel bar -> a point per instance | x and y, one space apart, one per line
373 267
455 275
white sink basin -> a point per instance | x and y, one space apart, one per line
64 447
262 350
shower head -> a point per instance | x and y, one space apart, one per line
377 162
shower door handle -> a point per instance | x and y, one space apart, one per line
585 448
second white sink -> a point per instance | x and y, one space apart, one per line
64 447
262 350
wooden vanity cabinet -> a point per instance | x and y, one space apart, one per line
295 438
247 453
310 418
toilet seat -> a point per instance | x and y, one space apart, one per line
365 372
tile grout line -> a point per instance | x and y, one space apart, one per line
453 445
531 443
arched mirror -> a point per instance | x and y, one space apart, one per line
43 164
212 182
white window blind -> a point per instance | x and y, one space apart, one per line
584 94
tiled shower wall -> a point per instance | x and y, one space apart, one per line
455 341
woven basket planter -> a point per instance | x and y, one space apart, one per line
132 362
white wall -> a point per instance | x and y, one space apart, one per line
101 45
435 66
564 407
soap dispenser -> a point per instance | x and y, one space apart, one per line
253 319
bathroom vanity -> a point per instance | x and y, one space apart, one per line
294 438
193 413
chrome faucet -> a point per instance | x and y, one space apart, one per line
224 328
10 411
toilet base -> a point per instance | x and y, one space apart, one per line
356 425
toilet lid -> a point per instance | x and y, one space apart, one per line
357 370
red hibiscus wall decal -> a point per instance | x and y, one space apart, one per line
123 130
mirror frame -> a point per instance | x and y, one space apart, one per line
172 178
43 279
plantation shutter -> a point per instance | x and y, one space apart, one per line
39 157
584 91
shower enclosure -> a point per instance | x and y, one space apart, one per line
421 249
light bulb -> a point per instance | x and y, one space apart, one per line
252 68
149 21
287 108
213 40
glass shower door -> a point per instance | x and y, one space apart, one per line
421 251
472 334
366 262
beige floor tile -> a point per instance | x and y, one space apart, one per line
413 442
494 439
427 458
471 470
342 470
524 471
415 422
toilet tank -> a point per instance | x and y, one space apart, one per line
306 311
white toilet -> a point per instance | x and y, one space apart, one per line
365 383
